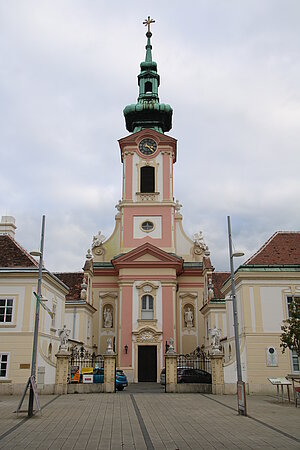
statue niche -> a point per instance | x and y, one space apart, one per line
107 316
188 314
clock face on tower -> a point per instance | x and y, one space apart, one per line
147 146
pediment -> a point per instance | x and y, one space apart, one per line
147 255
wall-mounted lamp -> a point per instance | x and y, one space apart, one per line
126 348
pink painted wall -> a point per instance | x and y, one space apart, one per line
167 311
164 212
166 176
128 175
126 324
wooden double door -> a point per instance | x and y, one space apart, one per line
147 363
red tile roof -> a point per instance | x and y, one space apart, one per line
218 278
283 248
73 280
13 255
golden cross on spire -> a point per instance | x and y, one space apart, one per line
148 22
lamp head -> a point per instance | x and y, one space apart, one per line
237 254
35 253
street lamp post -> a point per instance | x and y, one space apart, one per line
240 384
31 384
37 317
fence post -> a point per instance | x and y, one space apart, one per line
61 376
217 373
171 368
109 368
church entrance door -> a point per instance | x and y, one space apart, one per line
147 363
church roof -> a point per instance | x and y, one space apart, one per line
13 254
148 112
218 279
73 280
283 248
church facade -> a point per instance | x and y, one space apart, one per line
147 279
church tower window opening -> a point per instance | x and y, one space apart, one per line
148 87
147 179
147 307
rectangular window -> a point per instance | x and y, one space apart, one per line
54 315
6 310
3 365
289 303
147 307
294 356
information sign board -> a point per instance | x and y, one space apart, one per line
280 381
74 374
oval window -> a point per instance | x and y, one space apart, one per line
147 225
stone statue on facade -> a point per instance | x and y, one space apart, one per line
64 334
109 348
215 334
178 206
199 245
107 315
188 317
171 348
83 289
211 293
98 240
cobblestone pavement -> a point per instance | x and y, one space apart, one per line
145 421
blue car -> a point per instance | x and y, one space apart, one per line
121 379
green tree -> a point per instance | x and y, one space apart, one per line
290 337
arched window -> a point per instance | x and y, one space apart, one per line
147 307
50 351
148 87
147 179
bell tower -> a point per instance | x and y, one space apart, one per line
147 208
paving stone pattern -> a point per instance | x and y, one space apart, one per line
145 421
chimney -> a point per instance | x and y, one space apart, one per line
7 226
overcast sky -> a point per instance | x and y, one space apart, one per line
229 68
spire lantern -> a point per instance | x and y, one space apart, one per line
148 112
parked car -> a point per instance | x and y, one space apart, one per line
163 376
193 376
188 375
121 380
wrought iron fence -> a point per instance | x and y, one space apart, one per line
194 367
81 358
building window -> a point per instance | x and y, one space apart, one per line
53 323
294 357
6 310
147 179
147 225
3 365
50 351
147 307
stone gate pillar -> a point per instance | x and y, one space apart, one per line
61 376
109 368
217 372
171 368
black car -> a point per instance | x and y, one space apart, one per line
189 375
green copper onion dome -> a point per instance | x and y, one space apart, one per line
148 112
